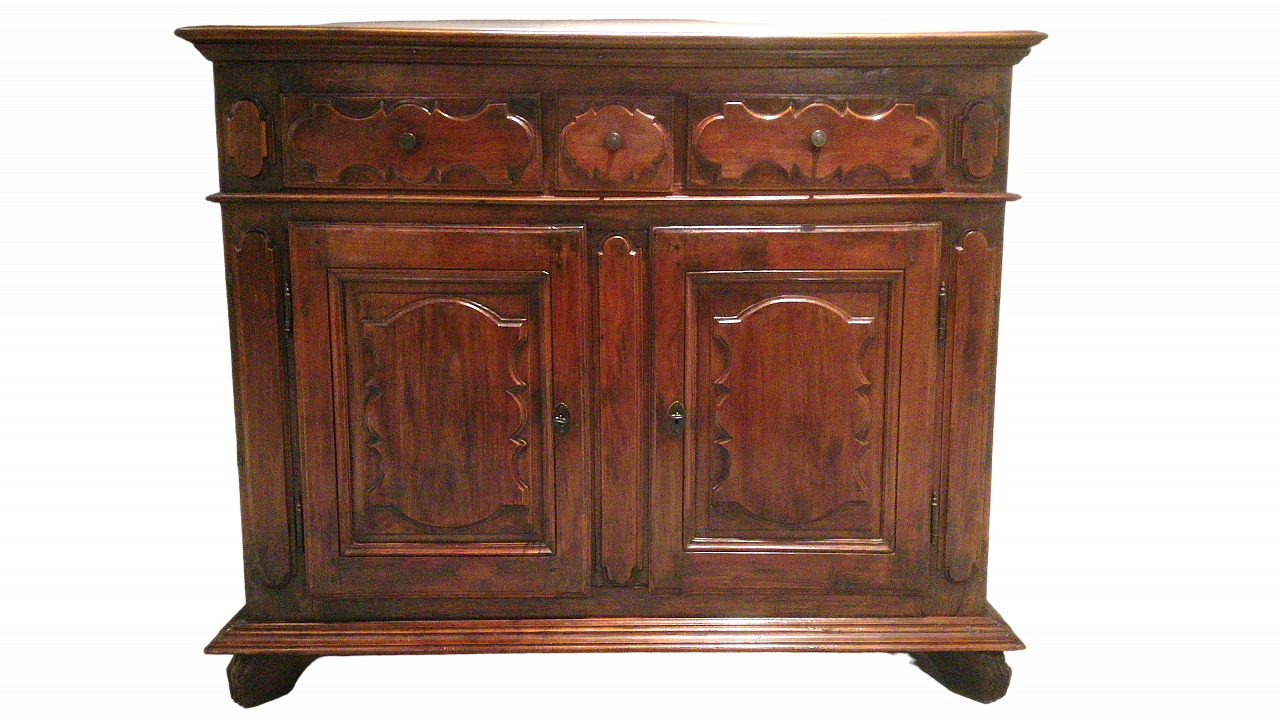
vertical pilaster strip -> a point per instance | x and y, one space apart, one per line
621 324
972 362
255 295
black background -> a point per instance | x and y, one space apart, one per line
1132 211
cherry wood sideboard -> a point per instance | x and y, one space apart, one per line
612 337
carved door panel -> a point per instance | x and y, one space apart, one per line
432 363
802 360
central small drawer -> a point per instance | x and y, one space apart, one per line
414 143
614 144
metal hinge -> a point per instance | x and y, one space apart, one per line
942 313
288 309
933 519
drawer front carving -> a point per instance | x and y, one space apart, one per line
410 143
615 144
807 357
783 143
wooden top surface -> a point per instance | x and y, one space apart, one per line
626 40
596 33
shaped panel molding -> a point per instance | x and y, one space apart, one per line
441 418
814 145
792 448
978 138
245 142
255 293
622 324
410 142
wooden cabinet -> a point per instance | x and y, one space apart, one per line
603 337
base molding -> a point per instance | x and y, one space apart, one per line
619 634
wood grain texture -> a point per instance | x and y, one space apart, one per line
978 137
643 160
488 146
428 382
781 461
621 634
245 141
255 300
971 355
443 443
701 275
741 145
620 389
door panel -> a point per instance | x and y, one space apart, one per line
791 452
805 357
428 359
438 367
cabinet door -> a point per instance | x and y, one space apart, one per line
432 363
804 360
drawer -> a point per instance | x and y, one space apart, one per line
614 144
803 143
413 143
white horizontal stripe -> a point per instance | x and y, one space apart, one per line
210 387
126 427
113 619
1128 459
1134 516
1005 427
1109 387
119 563
1137 619
1136 548
118 411
1142 356
122 459
110 324
115 444
1137 324
1138 339
132 516
1134 564
117 356
1138 603
114 476
117 603
112 339
1138 476
155 548
110 371
1189 372
1139 411
1119 443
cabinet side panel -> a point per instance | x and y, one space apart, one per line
972 357
256 304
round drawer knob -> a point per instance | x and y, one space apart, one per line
819 138
613 141
408 141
